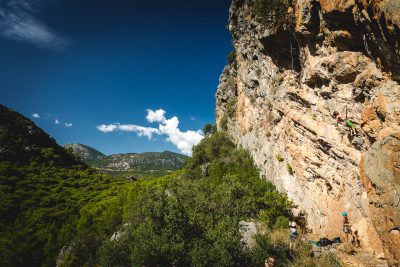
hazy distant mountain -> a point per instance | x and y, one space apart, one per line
148 161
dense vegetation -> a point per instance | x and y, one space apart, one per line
52 202
42 189
192 217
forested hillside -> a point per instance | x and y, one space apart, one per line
42 189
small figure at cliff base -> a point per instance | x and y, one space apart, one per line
346 226
293 230
348 231
269 262
293 234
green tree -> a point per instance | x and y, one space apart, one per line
207 129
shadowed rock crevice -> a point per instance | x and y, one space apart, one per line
381 43
346 34
283 49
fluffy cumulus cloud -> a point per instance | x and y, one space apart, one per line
183 140
18 22
35 115
68 124
56 121
155 116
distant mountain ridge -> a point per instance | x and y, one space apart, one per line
147 161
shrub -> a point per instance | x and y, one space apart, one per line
270 117
278 78
231 56
270 11
231 82
231 107
279 158
224 122
269 105
258 73
208 129
282 222
289 169
115 253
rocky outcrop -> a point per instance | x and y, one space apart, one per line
380 174
86 153
293 71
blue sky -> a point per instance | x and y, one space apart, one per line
100 62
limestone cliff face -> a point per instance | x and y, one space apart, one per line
277 98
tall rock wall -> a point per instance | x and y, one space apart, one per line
295 65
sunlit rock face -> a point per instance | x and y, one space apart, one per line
278 99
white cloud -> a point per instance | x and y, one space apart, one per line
17 22
107 128
140 130
192 118
183 140
68 124
155 116
35 115
56 121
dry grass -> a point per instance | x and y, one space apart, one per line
280 237
300 252
326 260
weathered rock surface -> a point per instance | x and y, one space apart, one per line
278 97
380 174
86 153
